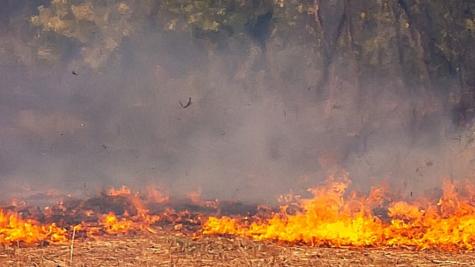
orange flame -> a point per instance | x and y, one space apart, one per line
195 198
14 229
123 190
114 225
334 219
157 196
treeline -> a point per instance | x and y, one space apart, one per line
420 45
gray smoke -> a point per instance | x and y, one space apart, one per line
256 126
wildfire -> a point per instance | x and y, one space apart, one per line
121 191
157 195
195 198
114 225
334 218
15 230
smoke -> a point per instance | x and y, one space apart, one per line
256 127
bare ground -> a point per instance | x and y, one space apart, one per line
172 249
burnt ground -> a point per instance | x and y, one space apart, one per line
174 249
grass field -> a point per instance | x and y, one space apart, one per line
174 249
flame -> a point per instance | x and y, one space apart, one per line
195 198
157 196
143 214
122 191
335 217
114 225
15 230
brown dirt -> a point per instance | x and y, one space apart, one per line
173 249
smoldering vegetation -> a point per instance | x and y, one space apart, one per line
273 109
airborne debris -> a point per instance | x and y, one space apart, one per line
74 73
187 103
336 106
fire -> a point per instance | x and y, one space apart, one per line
15 230
142 213
157 196
334 217
123 190
114 225
195 198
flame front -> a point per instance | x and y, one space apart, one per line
15 230
329 218
332 217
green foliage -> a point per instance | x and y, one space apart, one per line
213 15
422 42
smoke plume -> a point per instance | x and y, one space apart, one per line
257 126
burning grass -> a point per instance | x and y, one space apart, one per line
122 227
333 218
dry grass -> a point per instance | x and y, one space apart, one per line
173 249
